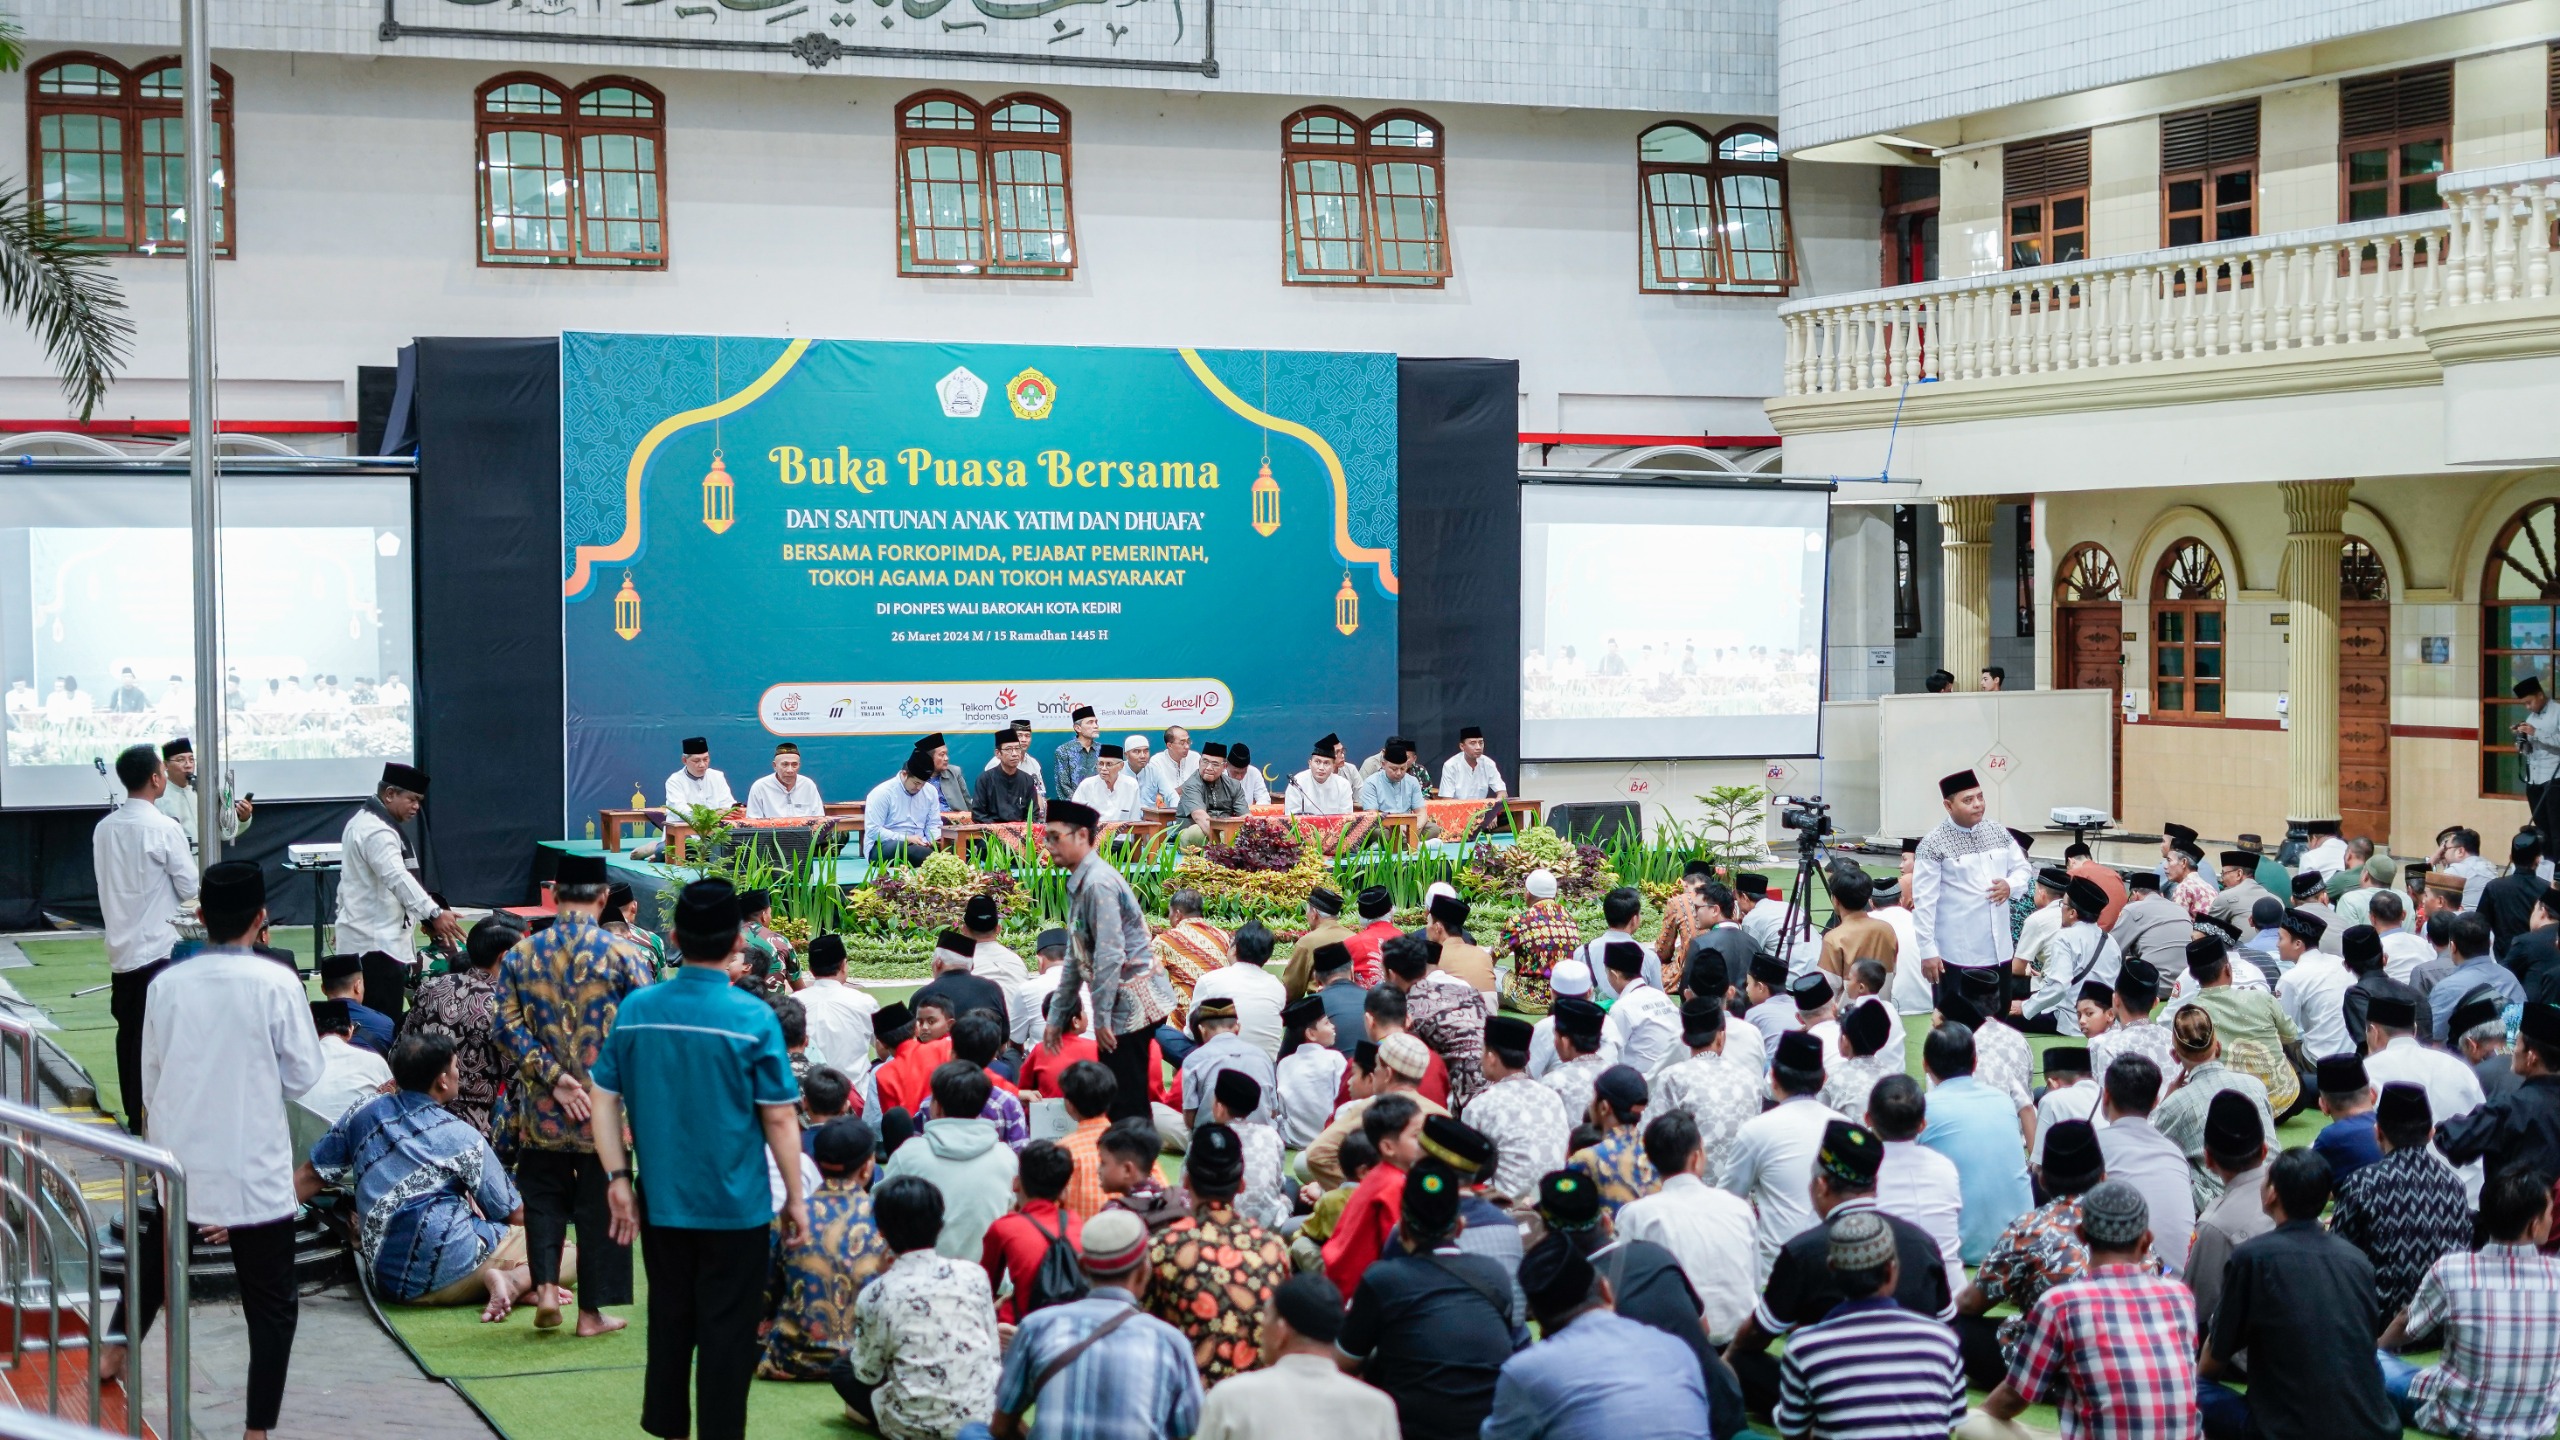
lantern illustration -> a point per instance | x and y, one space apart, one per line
1346 606
719 498
1266 500
626 610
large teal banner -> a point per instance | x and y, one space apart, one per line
849 544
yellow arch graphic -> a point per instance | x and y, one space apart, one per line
1351 553
628 543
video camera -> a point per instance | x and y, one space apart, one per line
1808 813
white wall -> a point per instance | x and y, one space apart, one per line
356 219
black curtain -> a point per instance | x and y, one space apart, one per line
487 416
1458 549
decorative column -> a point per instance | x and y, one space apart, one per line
1965 523
2312 512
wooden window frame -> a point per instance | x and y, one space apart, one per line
2392 143
984 143
1364 156
2088 576
2190 610
2221 159
572 129
1713 173
2537 564
130 110
1900 214
2551 100
2029 156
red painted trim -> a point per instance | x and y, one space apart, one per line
1710 442
2174 724
179 427
2436 732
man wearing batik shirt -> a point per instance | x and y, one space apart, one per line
2116 1347
1859 1058
1525 1120
2183 877
1710 1087
1212 1271
1078 759
2408 1209
2038 1251
558 994
1535 940
1443 1011
1617 1164
1578 1066
1189 948
1963 876
464 1005
815 1284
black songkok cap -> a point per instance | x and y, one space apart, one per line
2232 1126
697 745
576 869
339 967
2402 1104
2341 1074
404 777
233 889
1555 1276
1567 1199
1850 1154
1950 786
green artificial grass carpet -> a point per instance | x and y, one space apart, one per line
605 1405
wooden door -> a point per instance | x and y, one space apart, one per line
2091 657
2364 721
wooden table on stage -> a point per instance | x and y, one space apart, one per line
609 824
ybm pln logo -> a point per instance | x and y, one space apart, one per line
917 706
1031 393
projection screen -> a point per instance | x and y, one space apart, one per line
1663 621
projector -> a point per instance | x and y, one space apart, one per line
2080 817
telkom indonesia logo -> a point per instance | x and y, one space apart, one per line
1005 697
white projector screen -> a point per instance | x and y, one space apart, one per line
97 626
1671 622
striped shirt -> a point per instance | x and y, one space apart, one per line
1872 1371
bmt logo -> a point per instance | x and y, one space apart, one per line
1060 706
1005 697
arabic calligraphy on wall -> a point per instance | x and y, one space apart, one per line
1117 34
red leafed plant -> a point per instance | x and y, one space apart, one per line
1259 845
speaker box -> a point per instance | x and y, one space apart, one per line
1597 821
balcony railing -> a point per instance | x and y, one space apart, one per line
2369 283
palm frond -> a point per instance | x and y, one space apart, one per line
66 295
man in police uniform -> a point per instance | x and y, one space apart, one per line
178 802
380 902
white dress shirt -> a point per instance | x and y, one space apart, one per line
1257 791
2066 1102
227 1042
178 802
1954 917
1259 997
2326 857
1308 1078
2404 950
2313 995
1114 803
349 1076
1918 1184
1909 990
840 1023
380 902
1770 1164
1331 796
890 814
1709 1232
1595 951
1642 1029
1462 781
712 790
146 880
767 800
2451 1087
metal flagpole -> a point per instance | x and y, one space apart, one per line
204 449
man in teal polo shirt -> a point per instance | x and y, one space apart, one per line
700 1066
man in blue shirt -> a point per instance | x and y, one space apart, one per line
1595 1375
342 978
2475 968
1976 1127
700 1067
903 814
1395 789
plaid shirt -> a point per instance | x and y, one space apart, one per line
2404 1211
1137 1380
2117 1349
2500 1379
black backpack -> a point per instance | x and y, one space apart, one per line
1060 1277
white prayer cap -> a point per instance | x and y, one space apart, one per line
1569 977
1541 883
1135 742
1438 889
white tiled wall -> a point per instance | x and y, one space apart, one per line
1711 55
1852 68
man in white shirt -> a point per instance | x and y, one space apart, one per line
2076 955
2327 853
2537 739
178 802
1258 994
1247 775
349 1074
1707 1230
2403 949
1619 910
1160 780
1111 791
1909 990
1321 789
1961 879
786 793
2313 993
1771 1160
2070 1093
1643 1028
1915 1182
146 878
695 784
380 902
839 1014
229 1044
1469 775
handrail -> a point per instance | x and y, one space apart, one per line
24 1032
21 1128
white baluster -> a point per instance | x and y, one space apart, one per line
2537 242
1932 340
2327 321
2506 214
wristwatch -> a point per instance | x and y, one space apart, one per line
622 1174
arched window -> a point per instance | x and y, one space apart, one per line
1714 211
984 190
2186 634
1362 200
572 177
2088 577
109 148
2361 577
2517 598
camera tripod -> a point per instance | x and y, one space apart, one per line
1813 867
